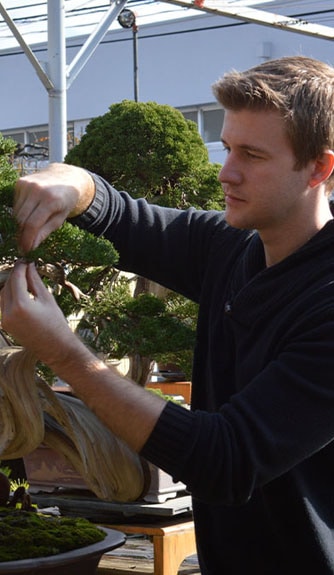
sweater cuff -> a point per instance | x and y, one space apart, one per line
90 219
168 444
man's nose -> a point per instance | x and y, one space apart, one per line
230 172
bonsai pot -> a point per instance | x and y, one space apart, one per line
48 470
82 561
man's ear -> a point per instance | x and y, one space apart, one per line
323 167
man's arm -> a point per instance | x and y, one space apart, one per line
221 456
31 314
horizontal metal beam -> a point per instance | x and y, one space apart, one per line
262 17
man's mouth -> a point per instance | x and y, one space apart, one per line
232 199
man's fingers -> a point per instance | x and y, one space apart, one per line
14 291
36 229
34 282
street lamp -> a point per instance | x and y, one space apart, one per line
127 19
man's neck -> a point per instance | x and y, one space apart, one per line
279 244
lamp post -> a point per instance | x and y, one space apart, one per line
127 19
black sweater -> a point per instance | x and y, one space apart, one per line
256 451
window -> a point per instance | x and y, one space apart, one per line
209 120
35 140
191 116
19 137
38 137
212 125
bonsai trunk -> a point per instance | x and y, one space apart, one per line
32 413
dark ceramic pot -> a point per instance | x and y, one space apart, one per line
83 561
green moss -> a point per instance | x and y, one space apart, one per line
24 535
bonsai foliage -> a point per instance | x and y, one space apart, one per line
66 257
66 246
151 151
8 177
79 268
146 326
64 260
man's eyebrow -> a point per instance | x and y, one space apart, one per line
247 147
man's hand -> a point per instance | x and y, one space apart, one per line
30 313
44 200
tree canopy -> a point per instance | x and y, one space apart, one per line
151 151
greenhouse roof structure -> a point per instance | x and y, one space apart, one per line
25 25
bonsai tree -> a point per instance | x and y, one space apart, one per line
80 269
151 151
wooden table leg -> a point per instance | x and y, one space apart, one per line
171 548
172 543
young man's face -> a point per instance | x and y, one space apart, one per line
263 190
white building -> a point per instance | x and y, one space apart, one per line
178 60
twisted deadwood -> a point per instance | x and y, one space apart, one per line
54 272
32 413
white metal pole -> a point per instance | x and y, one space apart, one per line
57 74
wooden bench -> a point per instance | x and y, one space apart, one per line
173 541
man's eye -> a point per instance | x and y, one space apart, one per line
226 149
253 155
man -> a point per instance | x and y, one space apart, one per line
257 450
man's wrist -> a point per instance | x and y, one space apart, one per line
86 185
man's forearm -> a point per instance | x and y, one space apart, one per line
127 409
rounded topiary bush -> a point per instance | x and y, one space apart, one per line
151 151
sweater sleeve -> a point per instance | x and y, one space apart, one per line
165 245
277 423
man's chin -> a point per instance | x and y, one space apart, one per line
235 222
